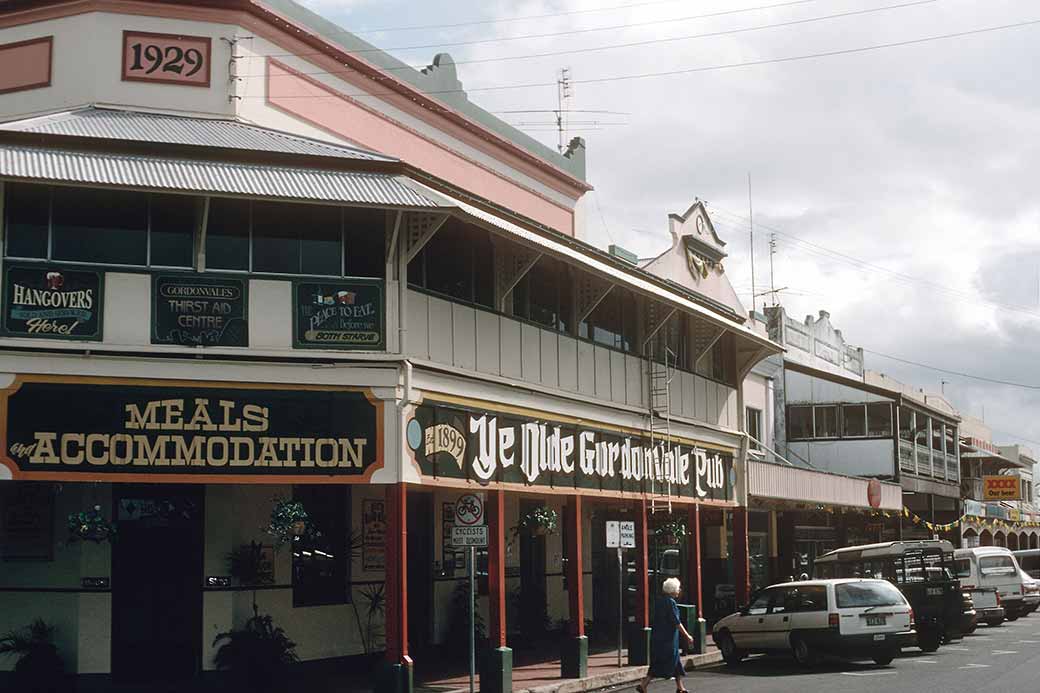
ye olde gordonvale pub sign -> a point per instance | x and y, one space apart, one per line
147 430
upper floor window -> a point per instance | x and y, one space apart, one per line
825 421
457 262
846 421
879 420
100 225
544 295
799 422
937 436
754 427
613 322
299 239
906 424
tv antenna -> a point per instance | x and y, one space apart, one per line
563 93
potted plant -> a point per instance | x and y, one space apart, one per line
251 567
39 668
539 521
290 522
671 532
258 655
90 525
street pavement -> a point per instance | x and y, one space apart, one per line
1000 659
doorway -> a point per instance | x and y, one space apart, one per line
157 582
533 599
420 573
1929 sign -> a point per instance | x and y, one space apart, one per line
204 310
52 302
339 314
166 58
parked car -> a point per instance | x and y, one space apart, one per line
1030 593
1029 561
969 616
921 569
994 567
843 617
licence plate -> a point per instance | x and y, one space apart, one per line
879 636
934 591
875 620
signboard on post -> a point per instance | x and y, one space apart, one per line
469 536
613 534
469 511
628 535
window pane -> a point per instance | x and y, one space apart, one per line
921 432
937 436
227 234
483 269
630 319
879 419
366 242
543 290
174 218
754 427
449 262
108 226
606 321
827 422
27 211
855 420
321 240
853 594
321 560
906 424
799 423
276 238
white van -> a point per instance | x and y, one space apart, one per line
843 617
992 567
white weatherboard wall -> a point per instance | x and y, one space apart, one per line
468 338
853 457
766 480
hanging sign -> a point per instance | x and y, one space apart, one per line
144 429
339 314
166 58
487 447
199 310
52 302
1001 487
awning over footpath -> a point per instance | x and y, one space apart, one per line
768 480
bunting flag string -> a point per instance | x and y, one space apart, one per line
991 522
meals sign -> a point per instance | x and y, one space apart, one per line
490 447
145 429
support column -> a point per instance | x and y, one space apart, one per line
639 635
396 675
497 672
695 590
574 660
741 557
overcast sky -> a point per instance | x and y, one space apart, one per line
917 164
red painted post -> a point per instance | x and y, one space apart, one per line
642 592
495 511
575 579
696 587
396 574
741 557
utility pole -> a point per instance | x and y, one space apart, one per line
751 228
563 93
772 252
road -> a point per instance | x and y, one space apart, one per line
992 660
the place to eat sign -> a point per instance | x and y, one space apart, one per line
166 58
335 314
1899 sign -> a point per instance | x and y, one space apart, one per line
166 58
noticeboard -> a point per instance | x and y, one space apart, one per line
199 310
52 302
339 314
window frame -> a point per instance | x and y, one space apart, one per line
837 421
758 418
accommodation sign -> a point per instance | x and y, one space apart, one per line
52 302
339 314
489 447
199 310
116 429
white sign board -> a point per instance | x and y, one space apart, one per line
469 511
628 535
469 536
613 534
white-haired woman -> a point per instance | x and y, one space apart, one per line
664 638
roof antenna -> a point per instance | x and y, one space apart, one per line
751 229
563 93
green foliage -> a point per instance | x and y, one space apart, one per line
289 521
25 641
250 566
458 625
258 655
90 525
673 528
542 517
39 668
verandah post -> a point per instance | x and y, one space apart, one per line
397 674
639 636
574 660
496 674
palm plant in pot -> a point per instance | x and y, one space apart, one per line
258 655
539 521
39 668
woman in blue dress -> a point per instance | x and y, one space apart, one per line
664 638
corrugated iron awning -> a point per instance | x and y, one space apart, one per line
214 177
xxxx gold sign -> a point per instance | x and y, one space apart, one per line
156 430
1000 487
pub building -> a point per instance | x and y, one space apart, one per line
272 301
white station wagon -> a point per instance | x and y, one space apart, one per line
843 617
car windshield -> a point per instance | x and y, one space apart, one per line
995 565
963 567
852 594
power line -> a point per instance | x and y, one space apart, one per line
947 371
694 70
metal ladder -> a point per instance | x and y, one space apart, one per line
659 379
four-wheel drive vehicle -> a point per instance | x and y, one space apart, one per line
848 618
1029 561
920 569
994 567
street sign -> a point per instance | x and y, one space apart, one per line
613 534
628 535
469 536
469 511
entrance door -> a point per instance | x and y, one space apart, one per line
157 582
533 609
420 572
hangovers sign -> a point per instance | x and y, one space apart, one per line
47 301
489 447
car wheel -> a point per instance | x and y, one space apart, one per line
929 640
1012 617
884 658
972 629
803 653
995 622
730 654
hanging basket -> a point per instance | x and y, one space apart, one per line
90 525
290 522
539 521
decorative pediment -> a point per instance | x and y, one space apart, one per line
701 244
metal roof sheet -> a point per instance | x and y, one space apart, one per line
186 175
135 126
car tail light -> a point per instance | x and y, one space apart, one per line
999 600
911 617
832 620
